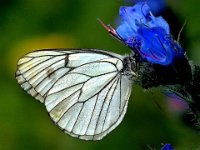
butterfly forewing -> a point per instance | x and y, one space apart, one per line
84 91
38 71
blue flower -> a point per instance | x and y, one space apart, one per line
147 35
167 147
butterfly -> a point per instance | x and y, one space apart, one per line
85 91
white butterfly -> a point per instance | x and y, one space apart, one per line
85 91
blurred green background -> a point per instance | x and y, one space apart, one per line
26 25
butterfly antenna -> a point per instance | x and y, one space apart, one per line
181 30
110 29
113 33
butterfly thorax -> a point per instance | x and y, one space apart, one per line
130 67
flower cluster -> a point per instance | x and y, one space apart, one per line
147 35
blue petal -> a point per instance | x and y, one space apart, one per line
138 16
153 46
125 31
160 22
157 47
167 147
156 6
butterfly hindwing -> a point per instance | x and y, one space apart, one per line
84 91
